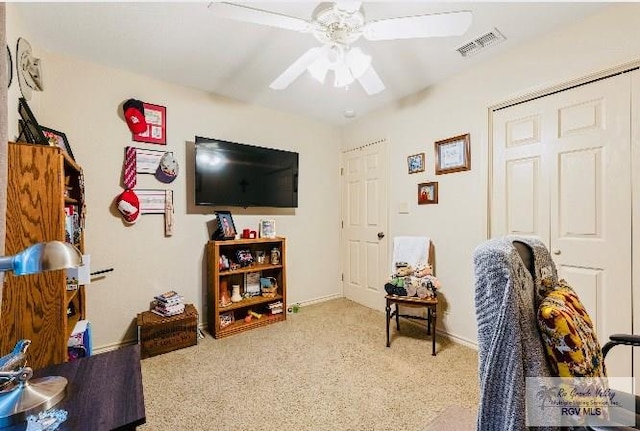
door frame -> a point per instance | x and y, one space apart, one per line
387 180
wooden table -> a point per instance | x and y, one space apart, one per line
431 304
104 391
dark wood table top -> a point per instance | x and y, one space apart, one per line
104 391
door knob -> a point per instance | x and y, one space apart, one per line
380 235
557 251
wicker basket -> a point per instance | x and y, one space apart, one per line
269 290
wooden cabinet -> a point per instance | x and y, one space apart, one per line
230 319
41 182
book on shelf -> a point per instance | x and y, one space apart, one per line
252 283
275 307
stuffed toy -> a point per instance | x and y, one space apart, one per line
423 283
398 281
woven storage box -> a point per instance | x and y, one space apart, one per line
269 287
157 334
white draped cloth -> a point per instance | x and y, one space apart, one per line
411 249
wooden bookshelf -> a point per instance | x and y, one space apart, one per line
258 304
41 181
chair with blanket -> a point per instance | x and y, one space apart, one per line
531 324
415 252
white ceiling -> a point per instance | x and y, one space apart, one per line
186 44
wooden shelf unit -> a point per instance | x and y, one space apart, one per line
35 306
258 304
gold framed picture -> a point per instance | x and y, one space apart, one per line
415 163
428 193
453 154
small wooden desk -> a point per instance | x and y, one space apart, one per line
104 391
430 304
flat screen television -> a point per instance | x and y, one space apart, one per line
241 175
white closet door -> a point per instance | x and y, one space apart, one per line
562 171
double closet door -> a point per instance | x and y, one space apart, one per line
562 171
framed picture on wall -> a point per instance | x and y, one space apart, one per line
415 163
453 154
428 193
156 118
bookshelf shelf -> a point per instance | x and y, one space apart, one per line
252 268
219 280
249 302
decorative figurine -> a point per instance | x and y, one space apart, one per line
235 293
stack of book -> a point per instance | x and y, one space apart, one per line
168 304
275 307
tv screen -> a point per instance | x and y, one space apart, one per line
233 174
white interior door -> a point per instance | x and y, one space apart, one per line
364 224
562 171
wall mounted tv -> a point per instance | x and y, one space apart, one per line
241 175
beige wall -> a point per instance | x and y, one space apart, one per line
82 100
460 105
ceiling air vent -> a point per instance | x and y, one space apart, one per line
484 41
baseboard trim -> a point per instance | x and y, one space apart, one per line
317 300
455 338
204 326
113 346
459 340
442 333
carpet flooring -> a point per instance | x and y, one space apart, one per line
324 368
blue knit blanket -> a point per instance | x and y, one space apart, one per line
510 347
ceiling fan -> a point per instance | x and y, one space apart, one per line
337 26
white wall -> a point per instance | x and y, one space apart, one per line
460 105
83 99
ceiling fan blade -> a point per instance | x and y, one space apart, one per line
296 69
409 27
258 16
371 82
350 6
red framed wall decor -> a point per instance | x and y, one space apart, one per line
156 133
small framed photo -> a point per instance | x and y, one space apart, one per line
225 228
30 130
453 154
156 118
415 163
267 228
57 139
428 193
